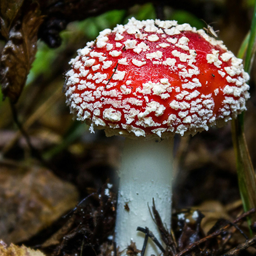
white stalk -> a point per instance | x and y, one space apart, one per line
145 173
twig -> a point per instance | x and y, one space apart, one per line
33 150
218 232
240 230
166 237
82 247
151 214
145 242
240 247
93 249
115 251
79 204
115 68
34 117
159 10
174 239
150 234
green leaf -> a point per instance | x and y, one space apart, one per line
251 44
243 48
186 17
92 26
146 11
142 12
250 3
76 130
245 170
44 58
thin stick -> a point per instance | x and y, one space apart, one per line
26 136
115 68
241 247
35 116
159 10
145 242
150 234
218 232
79 204
115 251
82 247
240 230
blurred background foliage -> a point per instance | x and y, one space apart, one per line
80 161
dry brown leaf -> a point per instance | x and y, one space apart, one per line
213 211
31 198
19 51
132 249
8 12
14 250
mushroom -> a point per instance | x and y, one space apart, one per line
146 81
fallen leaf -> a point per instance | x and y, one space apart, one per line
213 211
9 9
14 250
31 198
19 52
132 249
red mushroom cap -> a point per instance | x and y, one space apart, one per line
155 78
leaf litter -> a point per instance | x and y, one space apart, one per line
89 231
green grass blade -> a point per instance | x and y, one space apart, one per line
244 46
245 170
75 131
251 44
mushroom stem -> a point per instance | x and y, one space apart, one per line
145 173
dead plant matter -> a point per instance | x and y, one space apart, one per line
90 229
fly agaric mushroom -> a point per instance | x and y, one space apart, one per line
148 80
